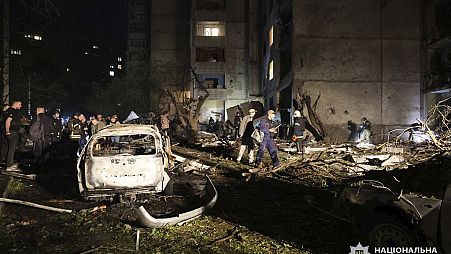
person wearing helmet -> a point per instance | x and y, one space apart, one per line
298 130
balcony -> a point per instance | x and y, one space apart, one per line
210 41
215 94
211 15
210 67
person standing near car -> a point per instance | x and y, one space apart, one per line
83 132
245 134
12 126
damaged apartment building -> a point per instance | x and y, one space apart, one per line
362 58
385 60
217 38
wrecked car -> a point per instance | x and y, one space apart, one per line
388 219
122 161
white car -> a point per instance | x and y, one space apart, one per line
123 160
128 159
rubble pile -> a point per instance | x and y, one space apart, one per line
323 165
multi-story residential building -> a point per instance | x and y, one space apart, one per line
361 57
137 40
217 38
225 52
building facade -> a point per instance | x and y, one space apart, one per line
218 39
225 53
362 58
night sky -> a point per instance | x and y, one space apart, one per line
69 31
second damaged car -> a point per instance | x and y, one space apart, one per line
121 162
385 218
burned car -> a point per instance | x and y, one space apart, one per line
388 219
123 161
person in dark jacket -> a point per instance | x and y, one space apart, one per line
57 126
12 126
41 148
266 126
298 130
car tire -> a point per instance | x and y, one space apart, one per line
384 229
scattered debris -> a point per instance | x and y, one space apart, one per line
20 175
210 194
49 208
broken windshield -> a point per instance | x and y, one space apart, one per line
140 144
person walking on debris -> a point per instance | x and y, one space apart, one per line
12 126
41 146
365 131
266 126
245 134
211 125
298 130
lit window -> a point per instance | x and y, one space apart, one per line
210 28
86 52
111 73
111 66
67 69
119 59
271 70
95 47
119 67
16 52
34 37
271 36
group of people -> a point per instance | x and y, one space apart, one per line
50 129
46 132
80 128
267 130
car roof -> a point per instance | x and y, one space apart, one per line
127 129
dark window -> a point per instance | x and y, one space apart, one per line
137 28
137 43
138 2
210 55
210 5
134 56
138 16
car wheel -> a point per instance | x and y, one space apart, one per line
388 231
